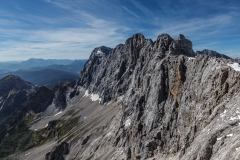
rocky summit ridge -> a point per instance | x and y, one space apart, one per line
110 76
175 104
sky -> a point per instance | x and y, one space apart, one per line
71 29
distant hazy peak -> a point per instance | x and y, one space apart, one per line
212 53
15 83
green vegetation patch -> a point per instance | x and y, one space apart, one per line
68 125
71 113
16 137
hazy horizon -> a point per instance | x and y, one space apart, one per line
18 61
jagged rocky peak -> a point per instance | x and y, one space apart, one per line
162 43
135 44
181 46
212 53
119 65
136 41
165 45
100 52
181 37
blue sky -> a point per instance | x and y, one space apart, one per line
70 29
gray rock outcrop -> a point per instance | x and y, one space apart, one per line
181 46
174 105
40 100
112 74
58 152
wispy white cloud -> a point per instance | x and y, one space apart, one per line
216 4
199 28
142 8
76 42
76 27
130 12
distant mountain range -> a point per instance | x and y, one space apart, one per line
212 53
32 62
42 72
75 67
44 77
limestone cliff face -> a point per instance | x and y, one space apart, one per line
174 106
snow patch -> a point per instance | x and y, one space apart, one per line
218 139
99 52
190 58
84 117
128 122
234 118
86 94
93 97
237 148
46 125
235 66
230 135
57 113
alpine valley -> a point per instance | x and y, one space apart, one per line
140 100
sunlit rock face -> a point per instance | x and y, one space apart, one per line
174 104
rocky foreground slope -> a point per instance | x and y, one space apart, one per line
143 100
21 105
